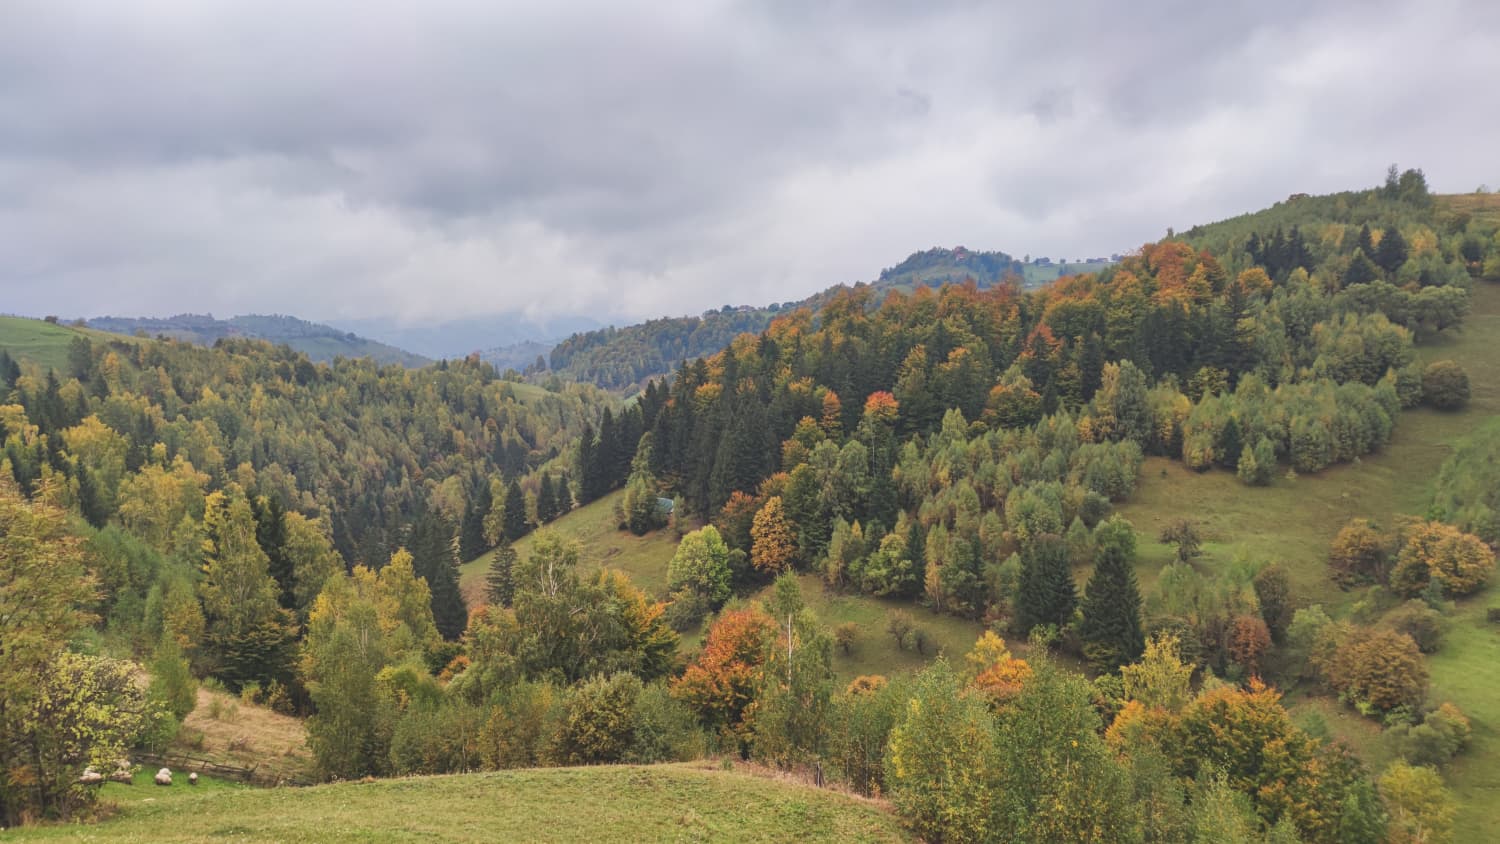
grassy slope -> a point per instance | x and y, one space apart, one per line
875 652
43 343
661 803
644 558
1295 520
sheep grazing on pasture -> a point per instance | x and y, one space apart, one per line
164 776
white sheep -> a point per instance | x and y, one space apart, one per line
193 778
164 776
90 777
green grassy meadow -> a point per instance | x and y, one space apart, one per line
693 802
43 343
644 558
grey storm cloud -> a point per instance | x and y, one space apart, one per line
623 160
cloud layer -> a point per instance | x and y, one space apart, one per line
627 160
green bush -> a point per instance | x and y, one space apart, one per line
1445 385
664 729
598 720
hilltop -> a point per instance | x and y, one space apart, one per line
624 358
321 343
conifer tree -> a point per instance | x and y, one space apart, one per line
270 534
588 465
546 504
1047 594
1111 627
90 497
432 559
515 524
499 581
471 532
1391 253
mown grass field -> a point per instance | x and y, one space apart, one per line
1294 521
693 802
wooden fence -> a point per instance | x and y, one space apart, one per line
181 762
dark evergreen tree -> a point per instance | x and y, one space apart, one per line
1231 444
1365 242
431 545
1361 270
90 498
604 455
471 532
1047 594
743 454
1391 253
80 358
1111 626
562 495
9 370
513 522
588 465
270 535
546 503
499 580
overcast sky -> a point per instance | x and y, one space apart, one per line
444 159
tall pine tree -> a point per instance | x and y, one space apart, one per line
431 547
515 522
499 581
546 503
270 534
1111 627
471 532
1047 594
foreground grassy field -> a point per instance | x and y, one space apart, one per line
660 803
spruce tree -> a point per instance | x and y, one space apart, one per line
514 521
587 465
270 534
1047 594
90 497
471 533
604 456
1111 627
1391 253
9 370
1231 443
546 505
562 495
430 544
499 581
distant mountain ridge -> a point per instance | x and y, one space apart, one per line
319 342
624 358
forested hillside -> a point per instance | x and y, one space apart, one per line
321 343
293 530
625 358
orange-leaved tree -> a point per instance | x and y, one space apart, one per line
721 682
